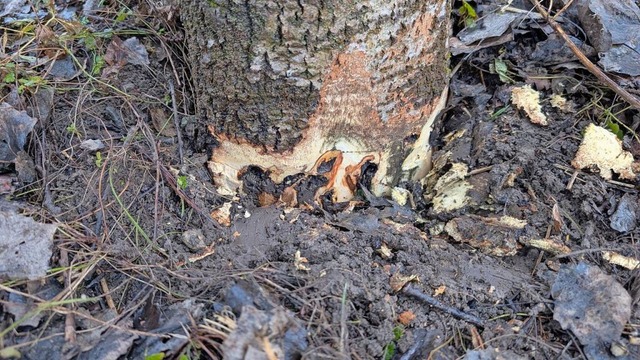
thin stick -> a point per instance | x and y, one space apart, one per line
69 321
107 294
412 291
632 100
343 322
574 176
480 170
176 119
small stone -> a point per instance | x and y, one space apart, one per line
624 219
618 349
194 239
92 145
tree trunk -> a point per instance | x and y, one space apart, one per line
289 85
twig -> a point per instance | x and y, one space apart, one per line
69 321
574 176
583 251
480 170
632 100
343 321
155 159
412 291
107 294
176 119
476 339
541 254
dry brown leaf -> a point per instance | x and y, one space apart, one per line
266 199
398 281
497 236
557 218
406 317
116 54
476 339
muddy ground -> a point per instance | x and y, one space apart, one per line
136 238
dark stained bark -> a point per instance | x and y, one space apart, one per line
289 84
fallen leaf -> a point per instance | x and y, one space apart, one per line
92 145
398 281
116 54
22 309
406 317
266 199
624 219
289 197
591 304
25 246
557 218
14 127
136 52
497 236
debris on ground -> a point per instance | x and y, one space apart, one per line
491 353
592 305
624 219
495 236
601 148
628 262
260 334
613 27
528 100
101 139
14 127
26 245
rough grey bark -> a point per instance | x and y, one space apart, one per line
286 83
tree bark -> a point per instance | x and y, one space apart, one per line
289 85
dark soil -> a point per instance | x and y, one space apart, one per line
124 218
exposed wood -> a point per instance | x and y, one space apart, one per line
300 84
